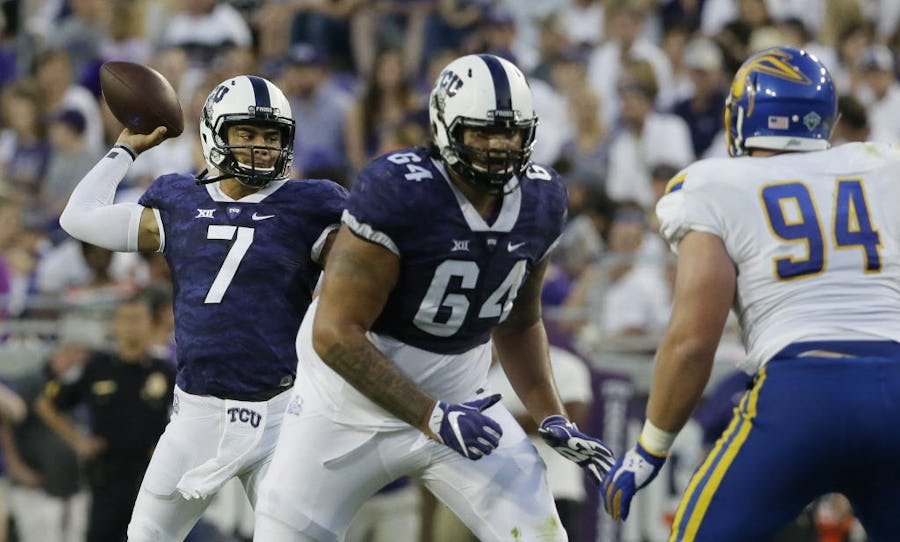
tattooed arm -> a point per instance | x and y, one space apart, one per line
358 279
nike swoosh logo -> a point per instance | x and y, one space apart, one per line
453 420
511 247
261 217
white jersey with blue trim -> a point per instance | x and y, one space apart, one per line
815 237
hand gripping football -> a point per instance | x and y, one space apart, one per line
141 98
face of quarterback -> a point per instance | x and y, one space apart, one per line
264 140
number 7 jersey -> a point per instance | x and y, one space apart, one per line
814 236
243 272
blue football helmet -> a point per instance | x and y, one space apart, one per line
781 98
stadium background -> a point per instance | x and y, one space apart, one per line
627 91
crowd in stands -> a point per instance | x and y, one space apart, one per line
627 92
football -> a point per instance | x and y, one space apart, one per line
141 98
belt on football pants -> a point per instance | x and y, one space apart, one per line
257 396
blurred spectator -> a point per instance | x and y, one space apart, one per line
82 33
881 93
319 110
232 61
626 293
13 407
451 24
675 38
173 63
854 123
386 100
704 107
12 410
389 24
118 388
625 23
127 36
582 245
497 35
660 176
24 148
644 138
70 161
842 15
585 153
584 21
326 25
203 27
159 297
21 245
12 58
734 37
553 44
847 51
45 498
88 275
53 71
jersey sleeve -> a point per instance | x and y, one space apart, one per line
554 200
689 204
331 199
378 208
160 192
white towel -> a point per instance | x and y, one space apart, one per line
244 425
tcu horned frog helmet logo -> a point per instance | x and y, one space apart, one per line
489 93
782 98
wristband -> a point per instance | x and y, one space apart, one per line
127 148
655 440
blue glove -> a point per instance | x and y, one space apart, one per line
633 471
465 429
589 452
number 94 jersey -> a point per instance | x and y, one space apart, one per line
814 236
459 274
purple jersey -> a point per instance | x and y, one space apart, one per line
459 274
244 272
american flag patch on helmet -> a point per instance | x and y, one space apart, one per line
778 123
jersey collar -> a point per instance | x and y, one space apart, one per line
509 210
216 193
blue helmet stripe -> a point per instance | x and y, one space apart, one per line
501 82
261 91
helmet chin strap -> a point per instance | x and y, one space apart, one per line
202 179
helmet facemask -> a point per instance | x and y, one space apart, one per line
246 100
251 175
491 96
486 168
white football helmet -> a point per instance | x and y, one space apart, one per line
245 99
486 92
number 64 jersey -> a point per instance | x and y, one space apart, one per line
458 277
814 236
